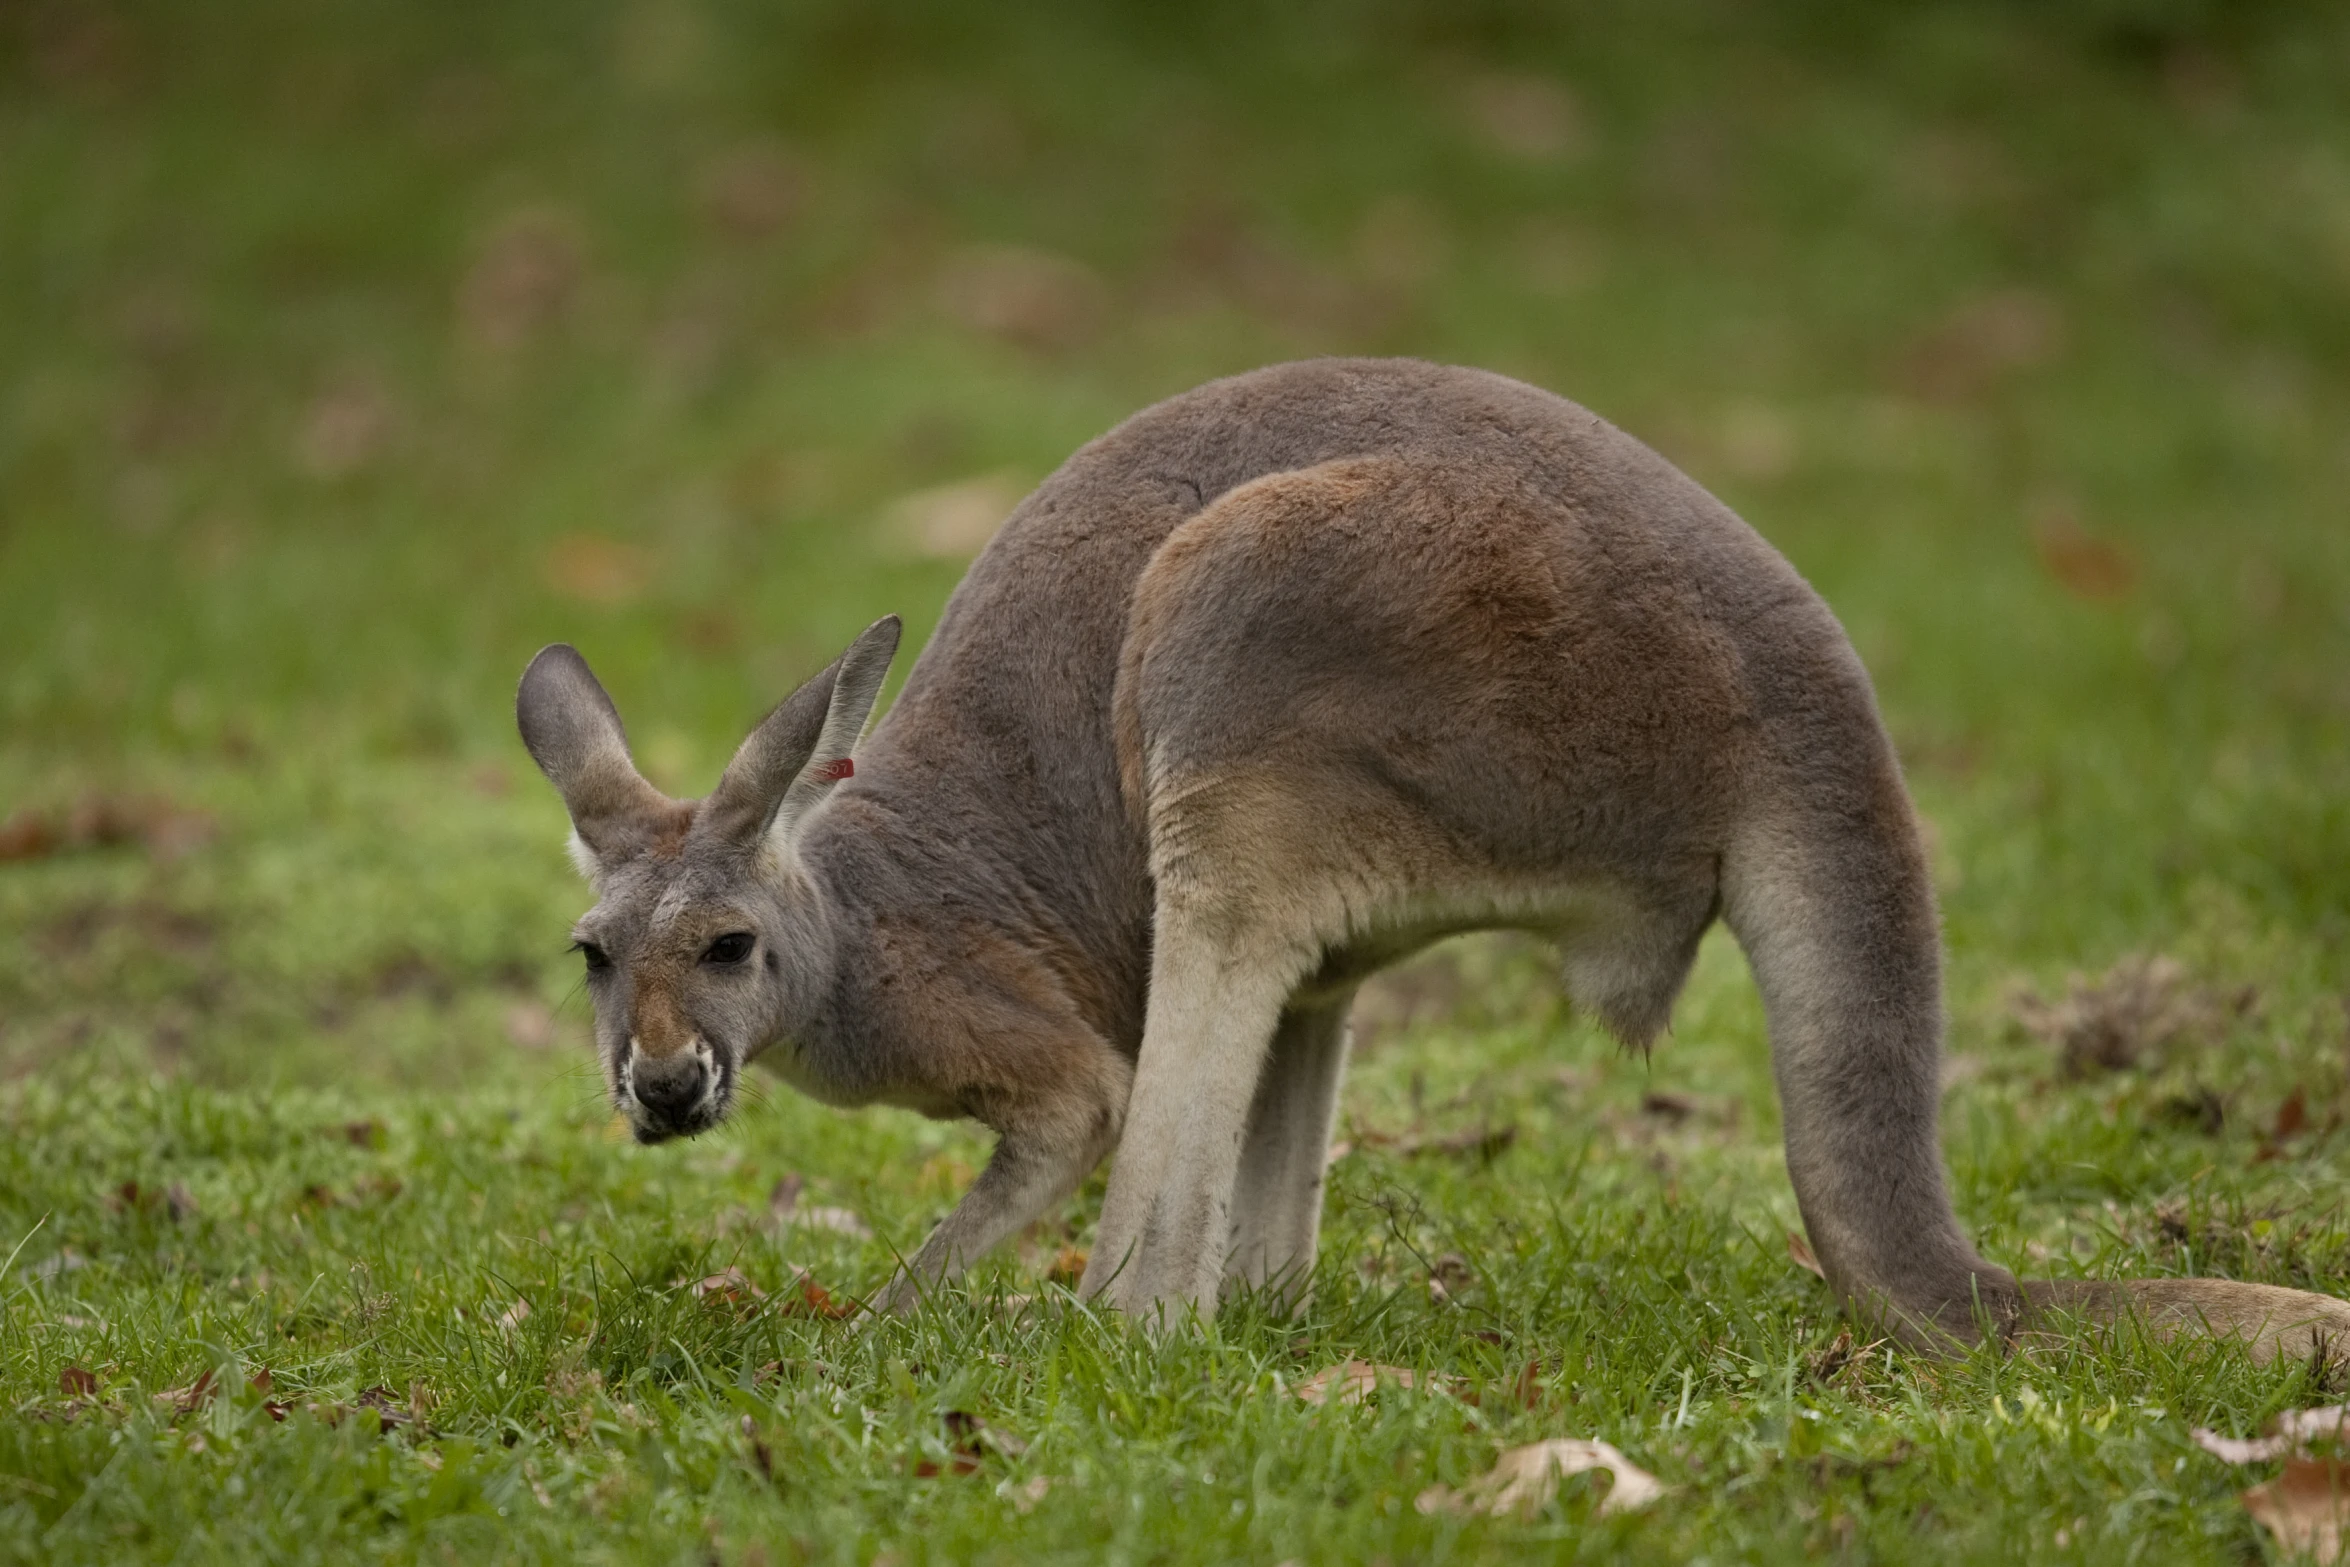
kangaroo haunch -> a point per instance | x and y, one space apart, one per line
1276 683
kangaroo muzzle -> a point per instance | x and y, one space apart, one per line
670 1095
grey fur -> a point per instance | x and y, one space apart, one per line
1275 683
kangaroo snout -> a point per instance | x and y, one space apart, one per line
670 1095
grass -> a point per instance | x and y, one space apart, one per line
352 353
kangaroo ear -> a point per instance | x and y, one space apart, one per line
801 750
574 734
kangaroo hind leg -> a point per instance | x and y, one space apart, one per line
1277 1204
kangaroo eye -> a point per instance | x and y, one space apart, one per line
593 953
732 947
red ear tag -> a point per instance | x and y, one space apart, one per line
834 772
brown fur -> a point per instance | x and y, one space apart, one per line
1270 686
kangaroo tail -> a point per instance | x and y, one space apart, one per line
1824 883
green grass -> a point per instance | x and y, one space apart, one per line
348 354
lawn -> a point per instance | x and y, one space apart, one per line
350 353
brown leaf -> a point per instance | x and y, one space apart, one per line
1980 344
1799 1251
2084 565
364 1134
1032 298
1448 1276
2139 1006
2292 1115
814 1300
1068 1266
75 1382
186 1400
598 571
2306 1508
1675 1108
783 1198
728 1286
525 279
98 821
1523 1479
1524 116
1352 1381
389 1411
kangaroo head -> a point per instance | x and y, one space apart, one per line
703 934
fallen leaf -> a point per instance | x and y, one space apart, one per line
98 821
814 1300
389 1411
2084 565
2289 1433
364 1134
525 279
1524 1478
514 1316
838 1221
783 1198
1027 1493
1524 116
1352 1381
529 1025
1675 1108
2292 1115
2138 1006
1068 1266
598 571
952 521
1448 1276
2306 1508
75 1382
186 1400
1029 297
729 1285
1800 1252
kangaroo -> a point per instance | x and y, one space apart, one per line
1276 683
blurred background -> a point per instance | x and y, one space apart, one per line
350 352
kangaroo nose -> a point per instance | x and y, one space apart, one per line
669 1086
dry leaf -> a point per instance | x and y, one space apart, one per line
952 521
599 571
839 1221
729 1285
529 1025
1352 1381
969 1441
186 1400
1524 1478
2289 1433
75 1382
2139 1005
1027 1493
525 279
814 1300
514 1316
98 821
2306 1507
1030 297
1800 1252
1448 1276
